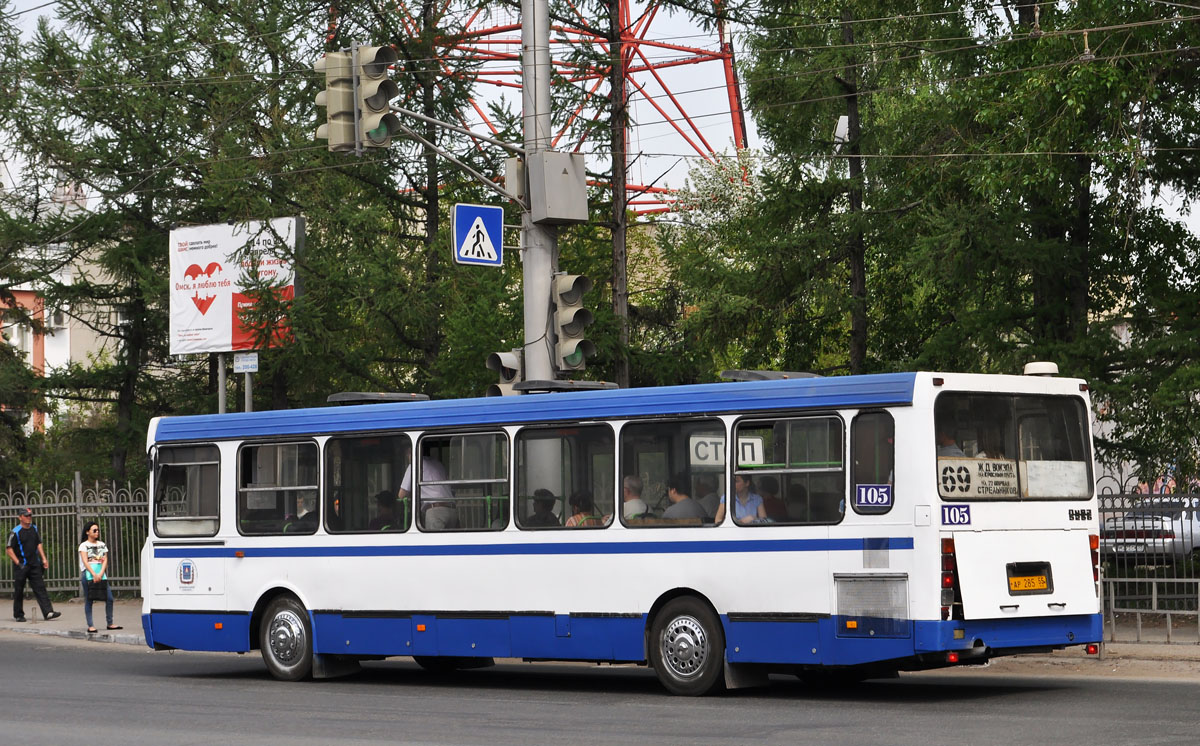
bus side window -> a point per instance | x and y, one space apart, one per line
277 487
564 477
187 491
873 449
462 482
362 482
795 468
688 454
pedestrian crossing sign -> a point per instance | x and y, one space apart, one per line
478 234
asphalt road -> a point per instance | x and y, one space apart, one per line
62 691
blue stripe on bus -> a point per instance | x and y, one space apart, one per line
821 641
556 548
699 399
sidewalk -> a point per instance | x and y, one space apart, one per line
128 614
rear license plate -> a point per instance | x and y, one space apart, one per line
1029 578
1028 583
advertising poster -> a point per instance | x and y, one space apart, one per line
208 300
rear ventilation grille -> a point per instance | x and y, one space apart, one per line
872 606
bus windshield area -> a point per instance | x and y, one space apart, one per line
1005 447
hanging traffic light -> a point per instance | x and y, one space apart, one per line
338 100
375 91
509 366
571 319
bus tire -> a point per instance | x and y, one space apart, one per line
286 639
687 648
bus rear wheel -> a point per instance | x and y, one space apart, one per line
687 648
286 640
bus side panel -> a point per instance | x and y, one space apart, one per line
217 631
346 634
472 637
569 637
773 642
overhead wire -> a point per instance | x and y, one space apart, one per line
257 76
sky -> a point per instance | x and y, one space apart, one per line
659 155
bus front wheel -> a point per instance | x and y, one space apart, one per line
687 647
286 640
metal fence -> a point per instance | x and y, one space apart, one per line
60 513
1150 553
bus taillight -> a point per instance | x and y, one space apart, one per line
1094 543
950 589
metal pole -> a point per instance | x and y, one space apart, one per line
220 383
249 392
539 244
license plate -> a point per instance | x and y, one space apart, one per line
1027 583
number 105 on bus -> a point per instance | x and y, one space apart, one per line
873 496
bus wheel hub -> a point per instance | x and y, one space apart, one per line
287 637
685 646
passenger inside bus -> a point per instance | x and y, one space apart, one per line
583 511
991 443
768 487
305 519
797 500
385 512
747 504
633 507
683 509
710 499
438 512
543 510
947 446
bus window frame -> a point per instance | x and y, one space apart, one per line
238 487
327 487
789 416
619 460
584 456
418 483
852 481
156 499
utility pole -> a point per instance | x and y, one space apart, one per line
619 125
539 243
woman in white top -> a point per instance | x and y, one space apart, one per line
93 566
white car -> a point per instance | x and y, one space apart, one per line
1154 532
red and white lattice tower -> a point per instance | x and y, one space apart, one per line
680 86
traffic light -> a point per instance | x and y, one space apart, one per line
571 350
509 366
376 123
338 100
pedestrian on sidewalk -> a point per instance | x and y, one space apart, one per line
25 551
93 564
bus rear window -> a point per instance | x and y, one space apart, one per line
1004 447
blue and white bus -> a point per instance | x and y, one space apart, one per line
873 524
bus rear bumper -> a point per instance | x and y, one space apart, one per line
1005 636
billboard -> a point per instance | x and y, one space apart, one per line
210 264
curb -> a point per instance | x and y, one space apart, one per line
127 638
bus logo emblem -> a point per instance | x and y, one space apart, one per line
956 515
187 572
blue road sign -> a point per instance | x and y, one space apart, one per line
478 234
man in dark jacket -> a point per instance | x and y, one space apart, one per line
25 551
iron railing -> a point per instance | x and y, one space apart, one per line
60 511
